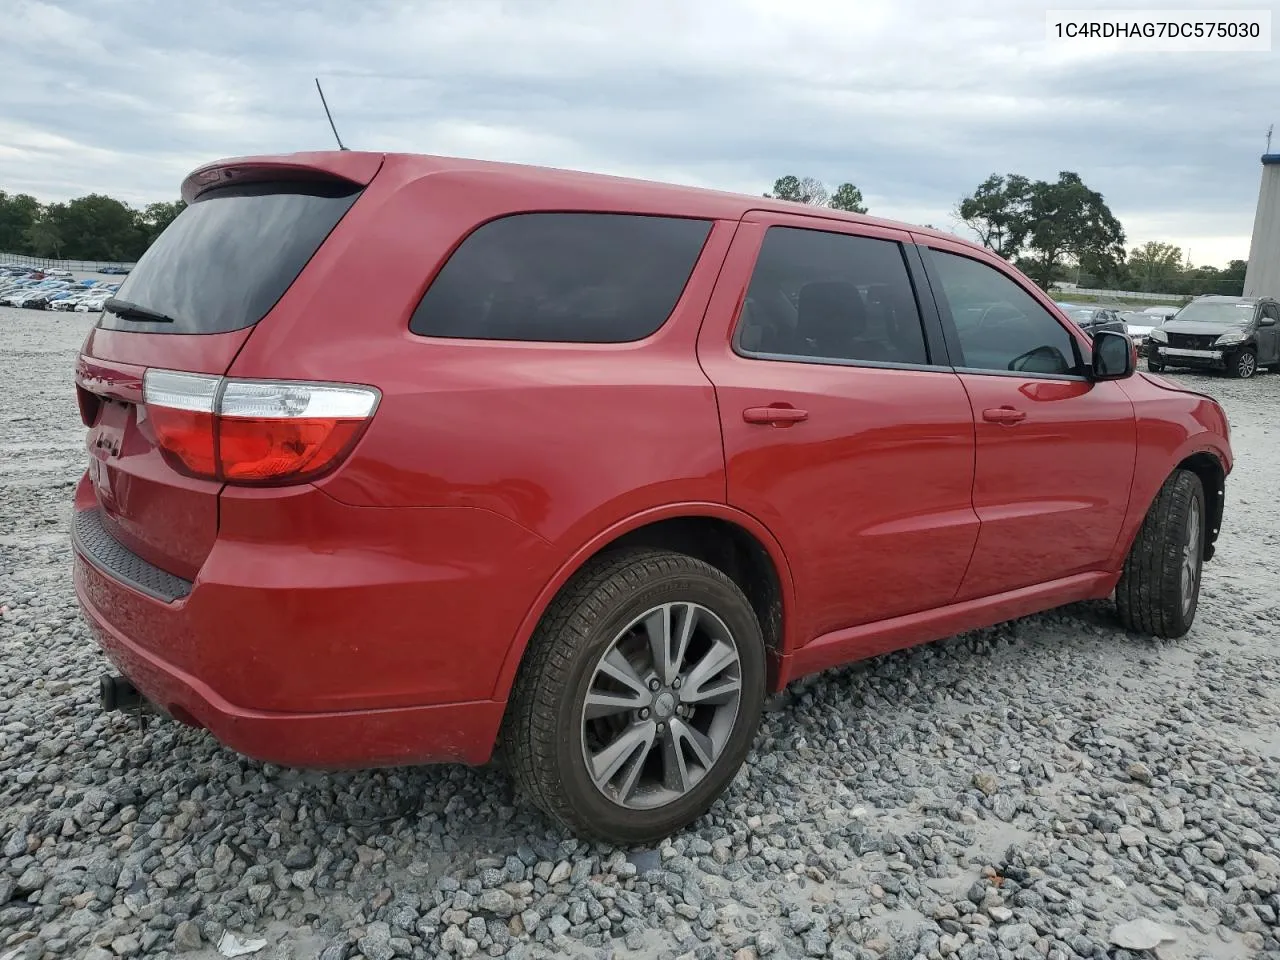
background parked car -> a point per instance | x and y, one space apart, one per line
1091 319
1233 334
53 290
1139 324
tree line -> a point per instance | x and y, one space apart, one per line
94 227
1054 232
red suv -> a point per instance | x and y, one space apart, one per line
397 458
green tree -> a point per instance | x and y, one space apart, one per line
1044 227
786 188
98 227
17 214
806 190
94 227
1155 265
813 192
1070 222
848 197
999 212
43 237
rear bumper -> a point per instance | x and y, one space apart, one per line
321 635
355 739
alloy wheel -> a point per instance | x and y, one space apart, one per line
1191 552
661 705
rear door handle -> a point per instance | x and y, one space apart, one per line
1003 415
774 415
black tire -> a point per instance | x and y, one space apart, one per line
1155 366
542 730
1243 365
1150 596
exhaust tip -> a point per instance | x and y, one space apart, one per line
117 693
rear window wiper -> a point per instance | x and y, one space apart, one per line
132 311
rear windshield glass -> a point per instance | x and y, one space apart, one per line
226 259
563 277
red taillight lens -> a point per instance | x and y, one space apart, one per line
265 449
254 431
186 439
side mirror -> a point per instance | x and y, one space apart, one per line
1267 322
1114 356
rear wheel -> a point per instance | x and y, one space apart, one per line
639 697
1159 588
1244 364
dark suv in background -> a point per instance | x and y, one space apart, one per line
1234 334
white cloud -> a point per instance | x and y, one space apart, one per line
916 101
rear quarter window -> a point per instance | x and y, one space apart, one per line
226 259
563 277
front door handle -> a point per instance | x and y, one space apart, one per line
1003 415
778 416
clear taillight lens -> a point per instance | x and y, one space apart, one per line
255 431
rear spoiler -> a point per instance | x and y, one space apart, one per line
357 169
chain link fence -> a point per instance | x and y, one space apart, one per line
76 266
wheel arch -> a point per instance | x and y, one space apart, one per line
728 539
1213 475
1207 464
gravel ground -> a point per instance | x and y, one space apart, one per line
1048 788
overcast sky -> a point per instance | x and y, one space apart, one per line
915 101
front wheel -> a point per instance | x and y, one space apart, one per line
1159 588
1243 365
639 697
1155 366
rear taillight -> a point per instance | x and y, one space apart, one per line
254 431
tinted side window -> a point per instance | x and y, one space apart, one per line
821 295
1269 310
566 277
1001 326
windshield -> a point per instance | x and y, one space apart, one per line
226 259
1216 312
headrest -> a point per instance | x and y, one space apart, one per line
830 310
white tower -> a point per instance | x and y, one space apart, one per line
1262 278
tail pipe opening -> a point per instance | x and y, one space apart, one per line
117 693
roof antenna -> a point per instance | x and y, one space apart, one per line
325 104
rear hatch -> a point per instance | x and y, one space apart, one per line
190 304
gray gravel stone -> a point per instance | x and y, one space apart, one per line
558 926
1140 934
186 936
498 902
1017 792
